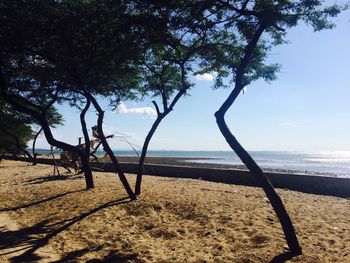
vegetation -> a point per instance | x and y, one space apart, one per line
167 62
76 51
73 63
15 132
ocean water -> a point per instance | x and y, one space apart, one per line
334 163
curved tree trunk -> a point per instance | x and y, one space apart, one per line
108 149
33 147
140 168
84 129
255 170
85 162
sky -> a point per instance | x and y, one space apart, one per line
306 109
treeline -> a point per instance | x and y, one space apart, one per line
76 51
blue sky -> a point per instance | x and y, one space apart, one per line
306 109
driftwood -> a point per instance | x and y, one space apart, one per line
70 160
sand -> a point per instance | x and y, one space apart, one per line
46 218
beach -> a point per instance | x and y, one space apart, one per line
50 218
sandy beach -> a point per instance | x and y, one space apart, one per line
50 218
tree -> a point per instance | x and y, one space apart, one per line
167 62
240 50
68 50
29 82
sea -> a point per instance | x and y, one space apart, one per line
327 163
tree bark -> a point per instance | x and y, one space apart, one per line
108 149
140 169
84 129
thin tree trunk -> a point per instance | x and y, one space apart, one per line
84 129
55 168
108 149
34 142
27 153
140 169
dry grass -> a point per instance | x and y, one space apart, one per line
53 219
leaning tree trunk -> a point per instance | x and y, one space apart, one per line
84 129
108 149
33 147
256 171
85 162
140 168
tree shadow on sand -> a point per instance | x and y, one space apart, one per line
283 257
113 256
38 202
30 239
50 178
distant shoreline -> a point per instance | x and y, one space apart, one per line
331 164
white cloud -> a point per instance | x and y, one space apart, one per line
206 76
151 112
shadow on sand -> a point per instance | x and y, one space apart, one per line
50 178
30 239
283 257
39 202
113 256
